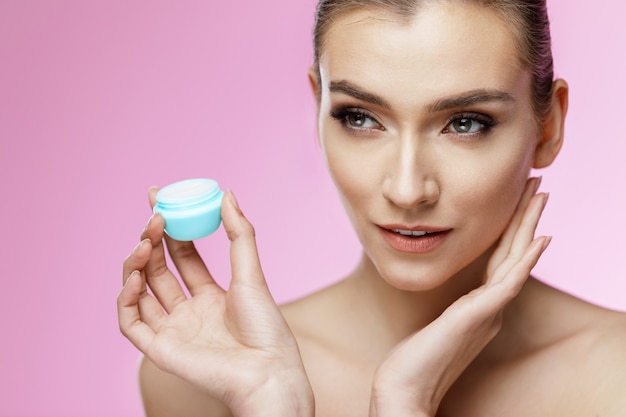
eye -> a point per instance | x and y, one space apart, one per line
356 119
359 120
469 124
466 126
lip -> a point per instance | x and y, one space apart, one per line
422 244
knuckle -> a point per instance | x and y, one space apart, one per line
182 250
249 229
157 271
123 329
179 299
245 230
231 235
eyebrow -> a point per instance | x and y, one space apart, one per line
346 87
468 98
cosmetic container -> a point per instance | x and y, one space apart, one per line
190 208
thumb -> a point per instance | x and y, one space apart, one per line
244 257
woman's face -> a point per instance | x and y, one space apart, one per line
426 126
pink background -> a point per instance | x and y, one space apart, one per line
99 100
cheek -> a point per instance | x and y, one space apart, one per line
491 193
347 171
355 169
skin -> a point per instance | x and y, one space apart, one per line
457 331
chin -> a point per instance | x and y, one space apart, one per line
407 276
418 275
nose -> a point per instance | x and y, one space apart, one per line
411 180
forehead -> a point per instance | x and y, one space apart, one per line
445 48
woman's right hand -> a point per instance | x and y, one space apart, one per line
414 378
234 345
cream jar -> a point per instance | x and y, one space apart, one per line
190 208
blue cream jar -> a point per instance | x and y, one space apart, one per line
190 208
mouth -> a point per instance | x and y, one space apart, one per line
411 233
414 240
417 231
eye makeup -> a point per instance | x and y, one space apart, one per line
356 120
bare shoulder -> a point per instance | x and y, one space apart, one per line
603 348
594 349
165 395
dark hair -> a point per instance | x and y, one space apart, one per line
528 20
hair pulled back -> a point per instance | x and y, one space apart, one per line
528 20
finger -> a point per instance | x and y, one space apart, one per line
524 235
510 284
532 185
484 304
150 310
136 260
130 322
244 258
159 278
248 288
526 231
190 265
152 192
504 244
187 260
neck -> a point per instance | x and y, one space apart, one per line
398 313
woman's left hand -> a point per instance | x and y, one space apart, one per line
413 380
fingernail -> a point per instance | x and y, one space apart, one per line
545 200
233 200
546 242
538 183
133 275
152 189
150 220
139 245
147 224
136 248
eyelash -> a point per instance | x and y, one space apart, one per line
343 113
486 122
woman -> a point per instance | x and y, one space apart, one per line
431 116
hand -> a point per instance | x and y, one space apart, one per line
415 377
235 345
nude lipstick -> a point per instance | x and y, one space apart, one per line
419 239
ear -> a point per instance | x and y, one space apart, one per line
553 127
314 83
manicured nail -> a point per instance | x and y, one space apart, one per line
538 183
233 200
147 224
139 245
546 242
133 275
545 200
152 189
